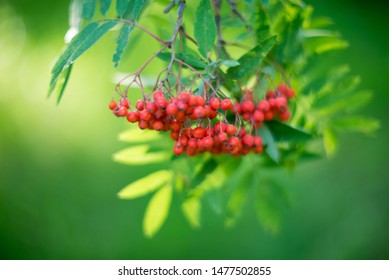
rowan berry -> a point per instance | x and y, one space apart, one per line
133 117
230 129
214 103
198 132
226 104
178 149
140 105
112 105
208 142
124 102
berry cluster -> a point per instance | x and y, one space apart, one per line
199 124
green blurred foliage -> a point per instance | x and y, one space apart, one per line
58 183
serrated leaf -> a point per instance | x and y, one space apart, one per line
205 27
145 185
104 6
157 210
139 136
356 124
121 43
79 45
252 59
88 9
192 210
63 81
269 142
285 133
121 6
139 155
133 9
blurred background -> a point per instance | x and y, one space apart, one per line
58 182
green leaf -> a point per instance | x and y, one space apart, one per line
121 43
79 44
252 59
63 81
271 199
285 133
269 142
121 6
356 124
190 59
88 9
139 155
104 6
157 210
139 136
205 27
145 185
330 142
230 63
133 9
192 210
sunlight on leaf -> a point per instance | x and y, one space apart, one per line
139 136
145 185
192 210
139 155
157 210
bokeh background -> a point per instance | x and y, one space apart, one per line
58 182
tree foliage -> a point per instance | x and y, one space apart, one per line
254 44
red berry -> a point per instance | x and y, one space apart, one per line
184 140
145 116
284 116
200 101
282 88
171 109
208 142
175 125
246 116
182 106
198 112
234 141
184 96
248 140
158 94
214 103
178 149
237 109
248 106
161 102
151 107
231 129
257 141
133 116
281 104
269 115
112 105
122 111
174 135
226 104
289 93
220 126
192 143
198 132
209 131
157 125
264 106
159 114
222 136
192 100
140 105
124 102
143 124
270 94
258 116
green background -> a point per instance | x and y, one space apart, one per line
58 182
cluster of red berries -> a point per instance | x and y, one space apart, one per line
178 115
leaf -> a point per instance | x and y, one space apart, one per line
330 46
330 142
121 6
157 210
63 81
104 6
190 59
205 27
237 200
229 63
271 198
284 132
268 140
139 155
88 9
134 7
121 43
356 124
252 59
192 209
139 136
79 44
145 185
